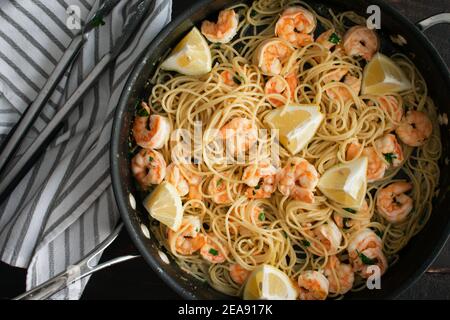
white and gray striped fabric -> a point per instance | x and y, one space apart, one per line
64 207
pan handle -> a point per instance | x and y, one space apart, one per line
433 20
76 272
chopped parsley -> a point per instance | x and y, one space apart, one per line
252 13
219 182
214 252
350 210
306 243
142 112
379 233
237 80
262 216
98 21
150 159
334 38
390 157
258 186
365 259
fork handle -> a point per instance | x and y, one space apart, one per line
11 178
66 278
14 138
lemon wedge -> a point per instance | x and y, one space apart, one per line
164 204
346 183
297 125
191 56
269 283
382 76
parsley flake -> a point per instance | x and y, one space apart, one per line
334 38
214 252
142 112
390 157
365 259
262 216
98 21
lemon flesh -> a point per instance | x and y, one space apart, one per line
269 283
346 184
382 76
164 204
191 56
297 125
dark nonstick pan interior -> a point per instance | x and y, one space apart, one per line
414 259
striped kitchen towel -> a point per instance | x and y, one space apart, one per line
65 205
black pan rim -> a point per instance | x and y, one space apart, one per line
121 194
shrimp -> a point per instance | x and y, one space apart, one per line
391 106
391 149
240 134
312 285
217 188
238 274
195 184
276 86
296 25
364 239
229 78
174 176
365 250
214 251
335 75
392 202
224 30
354 149
159 132
272 55
329 39
415 128
185 182
349 223
298 179
340 276
261 179
362 260
376 167
341 75
189 240
329 235
362 42
148 167
352 82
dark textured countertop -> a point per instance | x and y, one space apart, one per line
135 279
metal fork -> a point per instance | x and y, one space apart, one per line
76 272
